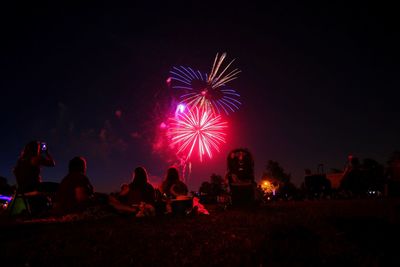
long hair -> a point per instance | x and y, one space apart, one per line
30 150
171 178
139 178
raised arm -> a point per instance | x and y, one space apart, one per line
44 159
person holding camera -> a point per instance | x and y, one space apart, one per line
27 170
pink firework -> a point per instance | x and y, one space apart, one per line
197 129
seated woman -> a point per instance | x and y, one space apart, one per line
139 191
172 186
176 192
75 193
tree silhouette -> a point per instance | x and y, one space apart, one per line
361 178
286 190
392 174
373 174
274 170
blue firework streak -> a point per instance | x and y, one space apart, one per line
207 91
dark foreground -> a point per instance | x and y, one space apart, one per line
304 233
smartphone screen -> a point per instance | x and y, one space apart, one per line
43 147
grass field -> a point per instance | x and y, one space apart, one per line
362 232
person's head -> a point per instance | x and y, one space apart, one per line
31 149
77 164
139 176
172 175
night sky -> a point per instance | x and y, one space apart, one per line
318 82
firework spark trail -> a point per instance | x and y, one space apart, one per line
219 81
207 92
197 128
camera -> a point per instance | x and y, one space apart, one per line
43 147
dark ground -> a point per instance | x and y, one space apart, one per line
362 232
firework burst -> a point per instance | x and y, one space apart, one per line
197 129
208 92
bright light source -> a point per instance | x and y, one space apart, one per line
181 108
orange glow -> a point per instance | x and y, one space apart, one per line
268 187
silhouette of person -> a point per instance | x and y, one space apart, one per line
240 176
28 167
172 186
75 192
240 167
138 191
352 177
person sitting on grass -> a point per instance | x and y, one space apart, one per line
140 194
75 193
172 186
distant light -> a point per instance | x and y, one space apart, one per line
168 81
163 125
